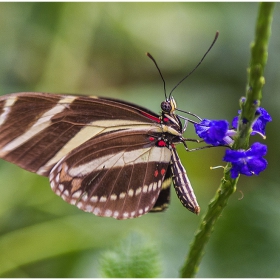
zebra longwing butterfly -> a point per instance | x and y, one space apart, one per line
105 156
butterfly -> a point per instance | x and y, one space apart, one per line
105 156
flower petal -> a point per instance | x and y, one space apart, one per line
248 162
212 131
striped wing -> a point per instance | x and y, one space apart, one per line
38 129
164 196
123 179
97 152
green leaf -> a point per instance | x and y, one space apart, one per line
133 258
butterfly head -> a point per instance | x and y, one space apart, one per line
169 105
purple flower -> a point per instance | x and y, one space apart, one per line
260 122
214 132
248 162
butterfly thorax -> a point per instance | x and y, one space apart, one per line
171 124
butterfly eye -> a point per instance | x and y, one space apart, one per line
166 106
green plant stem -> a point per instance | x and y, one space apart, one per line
248 109
215 208
255 75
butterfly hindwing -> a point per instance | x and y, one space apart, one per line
164 195
123 179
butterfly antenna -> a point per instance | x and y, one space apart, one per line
215 39
150 56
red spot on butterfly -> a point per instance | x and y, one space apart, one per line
161 143
172 145
162 171
151 117
165 119
151 138
156 173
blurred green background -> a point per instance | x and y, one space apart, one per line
99 49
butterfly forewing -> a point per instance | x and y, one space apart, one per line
122 179
38 129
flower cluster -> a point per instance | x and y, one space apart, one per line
259 124
248 162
